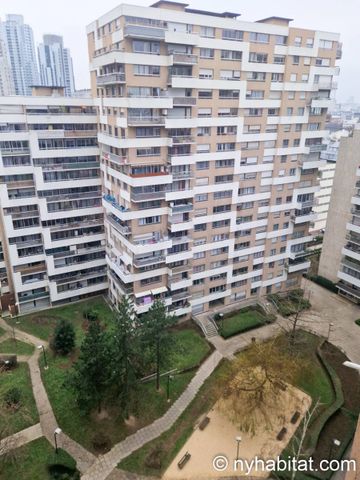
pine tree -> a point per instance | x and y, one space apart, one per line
64 338
90 377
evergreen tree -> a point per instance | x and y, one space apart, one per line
90 377
155 336
64 338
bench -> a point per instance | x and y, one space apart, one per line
281 434
295 417
8 361
183 460
204 423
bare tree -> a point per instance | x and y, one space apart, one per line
256 393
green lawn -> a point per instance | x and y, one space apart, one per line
27 414
241 321
18 347
32 461
191 349
171 441
42 324
313 380
2 331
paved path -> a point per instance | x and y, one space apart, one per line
102 468
48 423
21 438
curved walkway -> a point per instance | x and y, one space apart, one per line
326 308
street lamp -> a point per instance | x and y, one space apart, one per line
41 347
335 443
329 330
238 441
170 377
57 432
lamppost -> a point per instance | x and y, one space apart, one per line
238 441
335 443
330 330
57 432
170 377
41 347
355 366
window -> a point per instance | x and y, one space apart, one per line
246 191
222 194
256 76
203 131
206 73
208 32
258 57
204 112
296 60
286 128
224 163
236 35
206 53
202 165
231 55
201 197
304 77
296 142
205 93
222 147
277 77
293 77
140 46
229 130
291 95
280 40
198 255
309 42
147 70
229 74
289 111
150 220
307 60
322 62
259 37
225 94
297 41
301 111
258 94
327 44
279 59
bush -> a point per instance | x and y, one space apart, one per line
64 338
324 282
357 322
101 442
13 397
62 472
91 314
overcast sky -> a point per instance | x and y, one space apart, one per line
70 17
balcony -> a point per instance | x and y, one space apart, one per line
182 175
339 51
139 120
15 151
327 85
350 264
298 265
348 290
187 207
144 261
316 148
184 101
33 296
183 139
144 196
119 160
110 79
139 31
123 229
184 59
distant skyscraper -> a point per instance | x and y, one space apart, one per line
6 80
55 62
19 41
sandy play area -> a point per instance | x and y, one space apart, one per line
219 438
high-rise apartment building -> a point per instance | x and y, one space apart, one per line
210 130
6 80
340 256
52 242
19 42
55 63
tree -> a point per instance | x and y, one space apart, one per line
64 338
255 394
91 375
124 351
155 339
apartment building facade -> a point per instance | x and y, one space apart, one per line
52 242
340 256
210 134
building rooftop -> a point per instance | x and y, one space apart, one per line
269 19
167 3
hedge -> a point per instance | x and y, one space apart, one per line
324 282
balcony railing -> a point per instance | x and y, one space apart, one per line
120 160
15 151
183 139
140 197
144 120
184 100
188 207
32 296
184 58
141 262
316 148
139 31
110 79
123 229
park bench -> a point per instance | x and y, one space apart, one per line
281 434
295 417
183 460
204 423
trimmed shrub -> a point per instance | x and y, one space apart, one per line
91 314
13 397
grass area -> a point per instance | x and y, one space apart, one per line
2 331
192 348
290 302
27 414
42 324
170 442
357 322
18 347
32 461
313 381
242 321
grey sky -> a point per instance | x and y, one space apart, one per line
70 17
